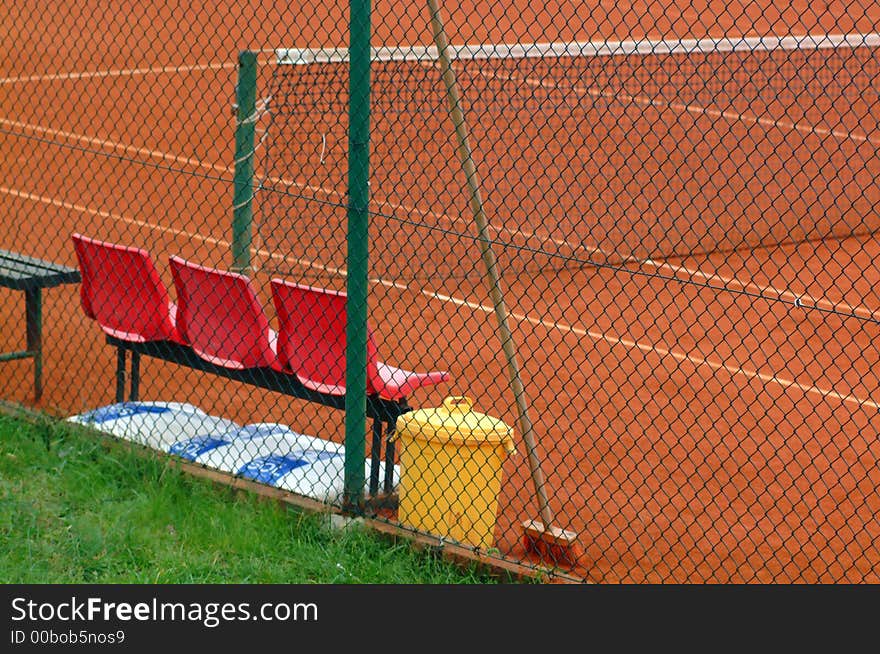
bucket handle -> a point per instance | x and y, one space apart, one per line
458 403
463 404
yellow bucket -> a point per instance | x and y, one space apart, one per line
451 460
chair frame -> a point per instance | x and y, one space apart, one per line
383 412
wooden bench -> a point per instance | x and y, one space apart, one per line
22 273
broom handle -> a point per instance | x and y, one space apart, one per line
489 261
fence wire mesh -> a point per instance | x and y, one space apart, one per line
673 369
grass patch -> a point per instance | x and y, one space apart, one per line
78 508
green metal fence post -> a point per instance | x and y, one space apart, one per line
243 187
358 250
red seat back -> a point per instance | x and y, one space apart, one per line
311 335
220 316
121 290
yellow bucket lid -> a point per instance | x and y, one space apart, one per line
455 422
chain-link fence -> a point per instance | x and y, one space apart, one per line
619 264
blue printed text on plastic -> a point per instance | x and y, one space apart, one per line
122 410
269 469
194 447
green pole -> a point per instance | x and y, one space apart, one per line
243 180
358 248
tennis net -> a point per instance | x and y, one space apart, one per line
589 153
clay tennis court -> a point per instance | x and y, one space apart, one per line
710 417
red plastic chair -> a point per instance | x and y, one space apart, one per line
121 290
311 344
221 317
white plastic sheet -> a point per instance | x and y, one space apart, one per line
269 453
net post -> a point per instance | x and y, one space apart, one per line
358 250
243 187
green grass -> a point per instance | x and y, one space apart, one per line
79 508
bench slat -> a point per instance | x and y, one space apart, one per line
21 272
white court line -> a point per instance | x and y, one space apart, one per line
805 301
113 145
802 299
551 326
662 352
602 47
696 109
122 72
159 228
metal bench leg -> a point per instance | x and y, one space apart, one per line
33 306
375 456
389 459
135 376
120 375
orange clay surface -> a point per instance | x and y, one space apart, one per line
686 435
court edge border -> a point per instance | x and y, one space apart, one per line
453 552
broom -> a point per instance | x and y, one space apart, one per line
539 537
